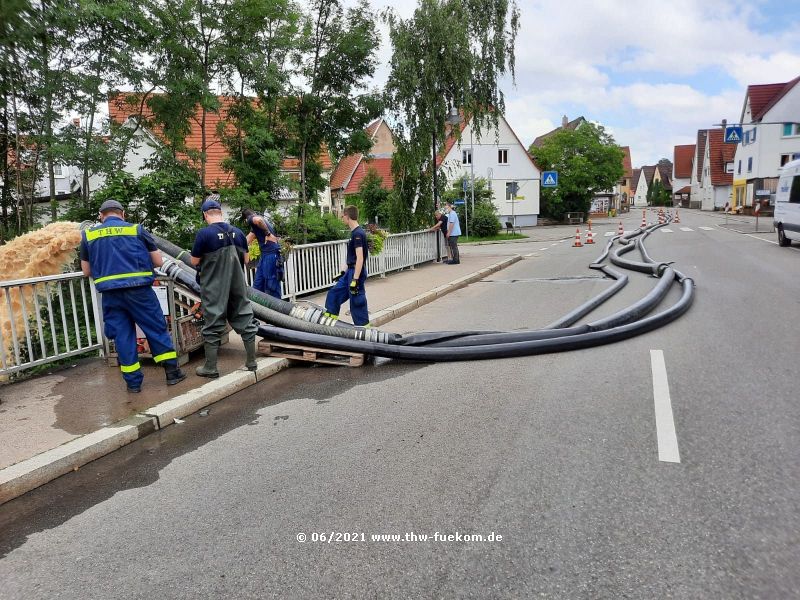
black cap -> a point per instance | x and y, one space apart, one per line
111 205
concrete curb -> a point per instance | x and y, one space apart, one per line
526 240
43 468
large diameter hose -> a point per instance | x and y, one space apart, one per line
503 350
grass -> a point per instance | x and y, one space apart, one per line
500 237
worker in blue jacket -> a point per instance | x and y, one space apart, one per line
270 265
350 282
120 258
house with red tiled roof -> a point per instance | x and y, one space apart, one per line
352 169
698 165
682 158
499 157
123 109
770 121
716 180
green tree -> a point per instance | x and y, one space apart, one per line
588 161
265 34
374 199
657 195
450 53
332 105
483 221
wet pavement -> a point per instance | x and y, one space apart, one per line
46 411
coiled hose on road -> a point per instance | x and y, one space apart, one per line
291 323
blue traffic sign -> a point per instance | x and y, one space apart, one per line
458 202
733 134
549 178
464 184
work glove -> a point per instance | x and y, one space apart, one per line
337 277
354 288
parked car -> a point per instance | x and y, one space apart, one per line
787 204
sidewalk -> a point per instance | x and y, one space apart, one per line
55 423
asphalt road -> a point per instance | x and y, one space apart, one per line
558 454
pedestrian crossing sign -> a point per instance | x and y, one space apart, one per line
733 134
550 179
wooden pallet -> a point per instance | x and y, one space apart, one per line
311 354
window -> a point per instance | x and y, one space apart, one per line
753 137
794 195
466 157
785 158
750 164
512 187
502 157
746 138
57 170
729 167
739 170
790 129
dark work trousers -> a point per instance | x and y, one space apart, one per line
452 241
340 293
123 309
266 279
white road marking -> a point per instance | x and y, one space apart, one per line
608 234
666 230
665 425
686 229
707 228
531 254
544 248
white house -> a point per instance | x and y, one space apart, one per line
500 158
716 177
698 164
641 184
770 138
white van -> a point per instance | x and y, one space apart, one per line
787 204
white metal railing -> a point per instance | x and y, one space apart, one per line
310 267
45 319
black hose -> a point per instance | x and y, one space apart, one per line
592 303
503 350
288 325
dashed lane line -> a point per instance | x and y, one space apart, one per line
665 424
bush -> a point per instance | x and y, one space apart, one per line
483 222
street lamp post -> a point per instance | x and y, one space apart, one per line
436 197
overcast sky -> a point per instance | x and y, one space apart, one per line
652 71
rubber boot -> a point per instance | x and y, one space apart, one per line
250 362
174 374
209 369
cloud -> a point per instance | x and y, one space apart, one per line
653 72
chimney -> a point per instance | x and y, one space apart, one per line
76 121
564 121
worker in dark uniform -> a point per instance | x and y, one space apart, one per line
120 257
220 253
350 282
268 279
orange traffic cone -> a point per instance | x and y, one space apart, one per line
620 229
589 234
577 243
644 218
677 216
